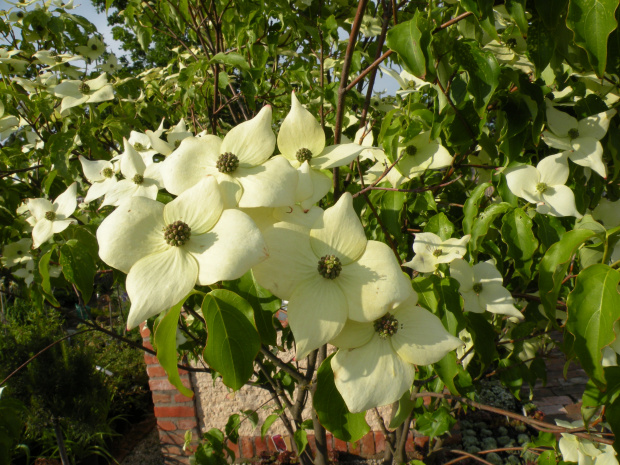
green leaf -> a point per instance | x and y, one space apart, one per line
540 45
301 440
551 11
78 267
516 8
405 407
482 69
547 457
518 235
472 204
454 376
331 409
593 308
481 225
267 424
232 59
263 303
392 203
553 267
44 271
435 423
549 229
165 338
483 336
592 21
233 341
405 39
440 225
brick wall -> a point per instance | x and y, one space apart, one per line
175 412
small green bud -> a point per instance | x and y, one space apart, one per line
138 179
411 84
58 59
386 326
84 88
411 150
94 47
573 133
542 187
107 172
227 163
177 233
437 252
303 155
50 215
176 142
477 288
139 147
329 267
20 14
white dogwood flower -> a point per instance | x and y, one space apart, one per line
583 451
375 363
241 163
430 251
50 218
102 176
323 265
579 139
16 253
544 186
482 289
76 93
167 249
421 154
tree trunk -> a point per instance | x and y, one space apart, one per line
62 451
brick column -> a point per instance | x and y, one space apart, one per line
175 412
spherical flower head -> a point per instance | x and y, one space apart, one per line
50 218
482 289
167 249
322 263
392 344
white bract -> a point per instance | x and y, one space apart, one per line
544 186
375 363
49 218
430 251
93 49
140 180
583 451
102 176
167 249
16 253
421 154
241 163
76 93
323 265
580 139
482 289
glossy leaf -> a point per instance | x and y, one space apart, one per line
404 39
472 204
481 225
593 308
540 45
331 409
233 341
440 224
78 267
405 407
518 235
592 21
232 59
44 271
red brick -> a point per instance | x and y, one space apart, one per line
421 441
188 423
234 448
161 385
247 447
172 437
340 445
329 439
150 359
161 398
181 398
156 371
176 411
166 425
409 444
379 441
171 451
260 445
354 447
147 343
368 445
312 443
144 330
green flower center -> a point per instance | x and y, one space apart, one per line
329 267
511 43
437 252
411 84
303 155
138 179
118 176
20 14
84 88
477 288
177 143
58 59
573 133
50 216
227 163
542 187
386 326
107 172
94 47
411 150
177 233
